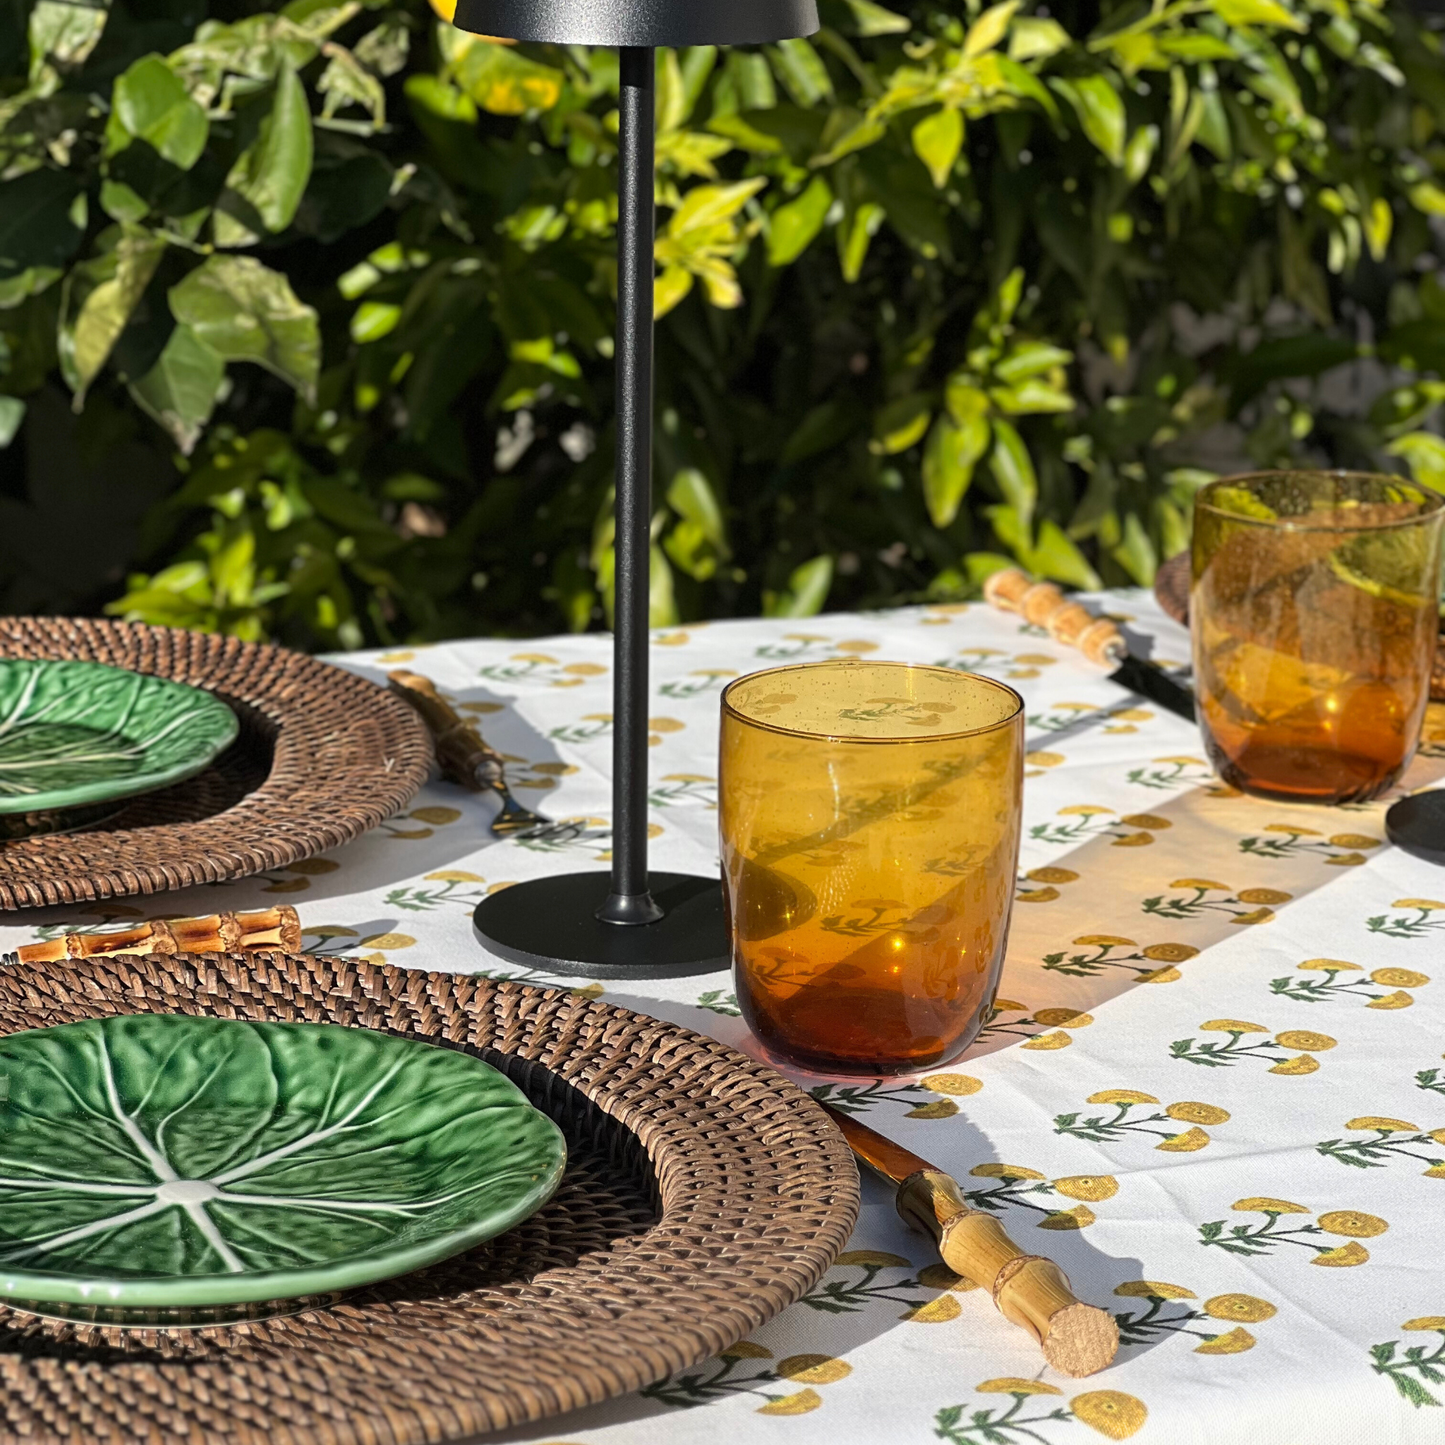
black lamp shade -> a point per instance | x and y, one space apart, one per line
639 22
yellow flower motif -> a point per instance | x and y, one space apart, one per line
879 1257
1079 1217
1398 999
1004 1171
1425 1322
1399 978
1134 840
798 1404
1263 895
1043 760
935 1312
1170 952
1243 1309
1104 940
1092 1187
1032 659
1182 758
1056 1040
1300 1064
1438 1135
1234 1343
388 940
1260 915
1435 1171
1052 875
1424 903
1193 1113
1083 810
1153 1289
959 1085
1199 883
1070 1017
1111 1412
1344 1257
1352 1223
1354 840
1161 975
1009 1385
1232 1026
584 669
1036 895
745 1350
1329 965
1009 1006
862 645
813 1369
1291 828
1345 860
1305 1039
532 657
315 866
455 875
939 1109
1121 1096
1263 1204
1146 820
665 725
1386 1126
939 1276
1188 1142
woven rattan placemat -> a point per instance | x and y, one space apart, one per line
703 1194
323 755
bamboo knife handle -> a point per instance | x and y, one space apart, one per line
1032 1292
463 756
1045 606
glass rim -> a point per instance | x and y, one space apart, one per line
1334 523
1015 712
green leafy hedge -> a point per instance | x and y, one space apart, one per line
329 294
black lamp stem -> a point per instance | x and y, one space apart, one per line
630 902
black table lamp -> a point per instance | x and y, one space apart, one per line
626 924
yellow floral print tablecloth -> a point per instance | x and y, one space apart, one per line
1213 1079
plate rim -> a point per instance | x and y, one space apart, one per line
148 779
190 1291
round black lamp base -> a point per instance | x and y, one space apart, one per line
550 923
1417 824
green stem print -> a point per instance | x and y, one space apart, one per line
852 1294
706 679
1431 1079
990 1427
1174 773
1424 916
1102 954
860 1098
794 644
457 889
1380 989
589 729
684 790
713 1381
1249 905
1255 1239
1285 840
1392 1139
1099 1129
1087 820
1214 1055
717 1002
1401 1369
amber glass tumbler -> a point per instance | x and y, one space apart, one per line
1314 614
870 834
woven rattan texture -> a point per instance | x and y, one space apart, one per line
322 756
703 1195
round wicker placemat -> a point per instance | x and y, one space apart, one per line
703 1195
323 755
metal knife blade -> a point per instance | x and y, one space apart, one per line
1150 680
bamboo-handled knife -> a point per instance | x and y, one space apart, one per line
461 753
1031 1291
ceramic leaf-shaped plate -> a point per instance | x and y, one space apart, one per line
165 1161
73 733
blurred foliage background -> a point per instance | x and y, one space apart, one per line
305 316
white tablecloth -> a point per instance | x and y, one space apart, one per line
1215 1078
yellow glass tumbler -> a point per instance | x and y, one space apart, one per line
1314 613
869 818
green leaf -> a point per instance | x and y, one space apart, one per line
706 206
1424 454
671 96
989 29
1257 12
38 225
900 425
1029 358
12 413
245 312
1100 112
792 227
269 177
62 35
698 543
180 390
802 72
937 140
1013 470
503 82
806 592
322 1146
870 20
1034 38
1056 558
1135 553
96 304
949 459
150 103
